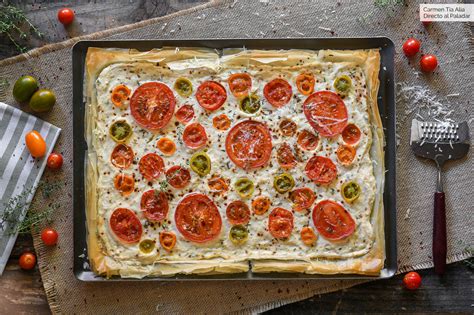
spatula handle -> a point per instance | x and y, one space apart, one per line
439 233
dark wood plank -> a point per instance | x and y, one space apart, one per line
22 291
450 293
91 16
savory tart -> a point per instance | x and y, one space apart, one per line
204 162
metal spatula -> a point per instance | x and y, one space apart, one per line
439 142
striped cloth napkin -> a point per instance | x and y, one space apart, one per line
19 171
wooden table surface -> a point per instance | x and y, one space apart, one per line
22 292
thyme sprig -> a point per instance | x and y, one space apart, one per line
11 20
16 206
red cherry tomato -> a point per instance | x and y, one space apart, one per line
55 161
27 261
411 47
412 280
49 236
428 63
66 16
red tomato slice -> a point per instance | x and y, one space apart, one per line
280 223
287 127
249 144
194 136
240 84
321 170
302 198
151 165
278 92
307 140
351 134
154 205
285 156
238 212
326 113
197 218
184 114
126 225
305 83
211 95
124 183
346 154
122 156
221 122
152 105
332 221
178 177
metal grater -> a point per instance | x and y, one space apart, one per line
439 141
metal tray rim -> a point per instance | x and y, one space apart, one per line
387 81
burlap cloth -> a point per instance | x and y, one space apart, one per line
451 42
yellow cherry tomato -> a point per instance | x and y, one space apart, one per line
35 144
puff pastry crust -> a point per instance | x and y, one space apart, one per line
104 263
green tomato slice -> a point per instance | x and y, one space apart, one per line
250 104
238 234
343 84
147 246
184 87
350 191
200 163
283 183
244 187
120 131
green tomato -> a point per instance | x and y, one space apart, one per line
350 191
250 104
244 187
147 246
200 163
343 84
283 183
184 87
120 131
238 234
24 88
42 100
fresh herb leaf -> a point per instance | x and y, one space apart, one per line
11 19
163 185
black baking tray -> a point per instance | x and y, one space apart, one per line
386 103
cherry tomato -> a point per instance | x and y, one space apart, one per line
49 236
428 63
55 161
184 114
308 236
166 146
261 205
35 143
66 16
411 47
27 261
412 280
